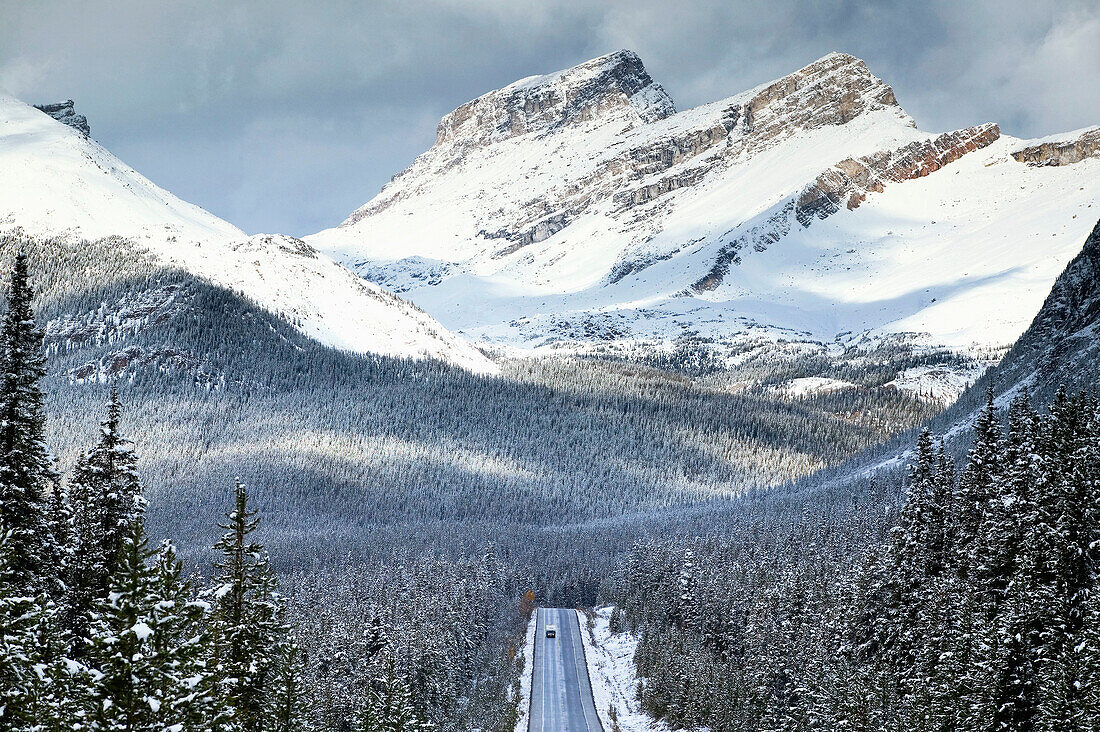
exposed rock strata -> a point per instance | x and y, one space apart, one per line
846 185
1064 151
849 181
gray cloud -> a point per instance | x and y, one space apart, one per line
285 116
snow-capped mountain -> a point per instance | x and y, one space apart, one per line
55 182
580 207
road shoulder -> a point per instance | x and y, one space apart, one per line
527 677
614 679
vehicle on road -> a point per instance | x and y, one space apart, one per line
551 631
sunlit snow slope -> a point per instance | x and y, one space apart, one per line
579 207
54 182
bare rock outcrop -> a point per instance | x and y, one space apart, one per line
605 85
849 181
65 113
1065 150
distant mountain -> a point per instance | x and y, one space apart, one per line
579 208
56 184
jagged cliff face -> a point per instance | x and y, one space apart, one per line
1067 149
579 207
65 113
1060 347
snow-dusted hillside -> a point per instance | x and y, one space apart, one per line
54 182
579 207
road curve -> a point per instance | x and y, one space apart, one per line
561 693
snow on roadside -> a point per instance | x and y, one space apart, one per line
614 679
523 704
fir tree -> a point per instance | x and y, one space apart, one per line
181 649
289 707
26 471
126 695
388 706
105 498
978 486
19 616
246 619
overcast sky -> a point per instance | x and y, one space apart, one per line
286 116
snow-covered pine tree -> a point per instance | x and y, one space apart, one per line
388 706
1007 668
289 702
977 486
126 693
969 627
915 601
1060 562
149 650
19 617
685 608
105 499
246 620
181 649
26 468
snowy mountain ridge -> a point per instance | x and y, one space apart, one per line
579 208
58 183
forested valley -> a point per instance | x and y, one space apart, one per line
414 519
972 605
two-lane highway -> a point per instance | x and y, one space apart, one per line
561 693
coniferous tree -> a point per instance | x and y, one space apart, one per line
26 469
389 707
106 499
19 616
246 619
181 649
127 692
289 706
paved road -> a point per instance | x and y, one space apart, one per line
561 694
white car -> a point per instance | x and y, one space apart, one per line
551 631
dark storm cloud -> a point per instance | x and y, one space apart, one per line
285 116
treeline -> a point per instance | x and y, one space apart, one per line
100 632
977 607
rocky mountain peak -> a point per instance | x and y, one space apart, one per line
832 90
615 84
65 113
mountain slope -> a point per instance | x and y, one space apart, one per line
1060 346
57 183
579 207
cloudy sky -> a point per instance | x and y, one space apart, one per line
286 116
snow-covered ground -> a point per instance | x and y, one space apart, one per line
812 385
525 681
54 182
614 679
937 383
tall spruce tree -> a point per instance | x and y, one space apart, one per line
246 620
105 498
181 648
289 701
126 693
388 705
19 616
26 468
